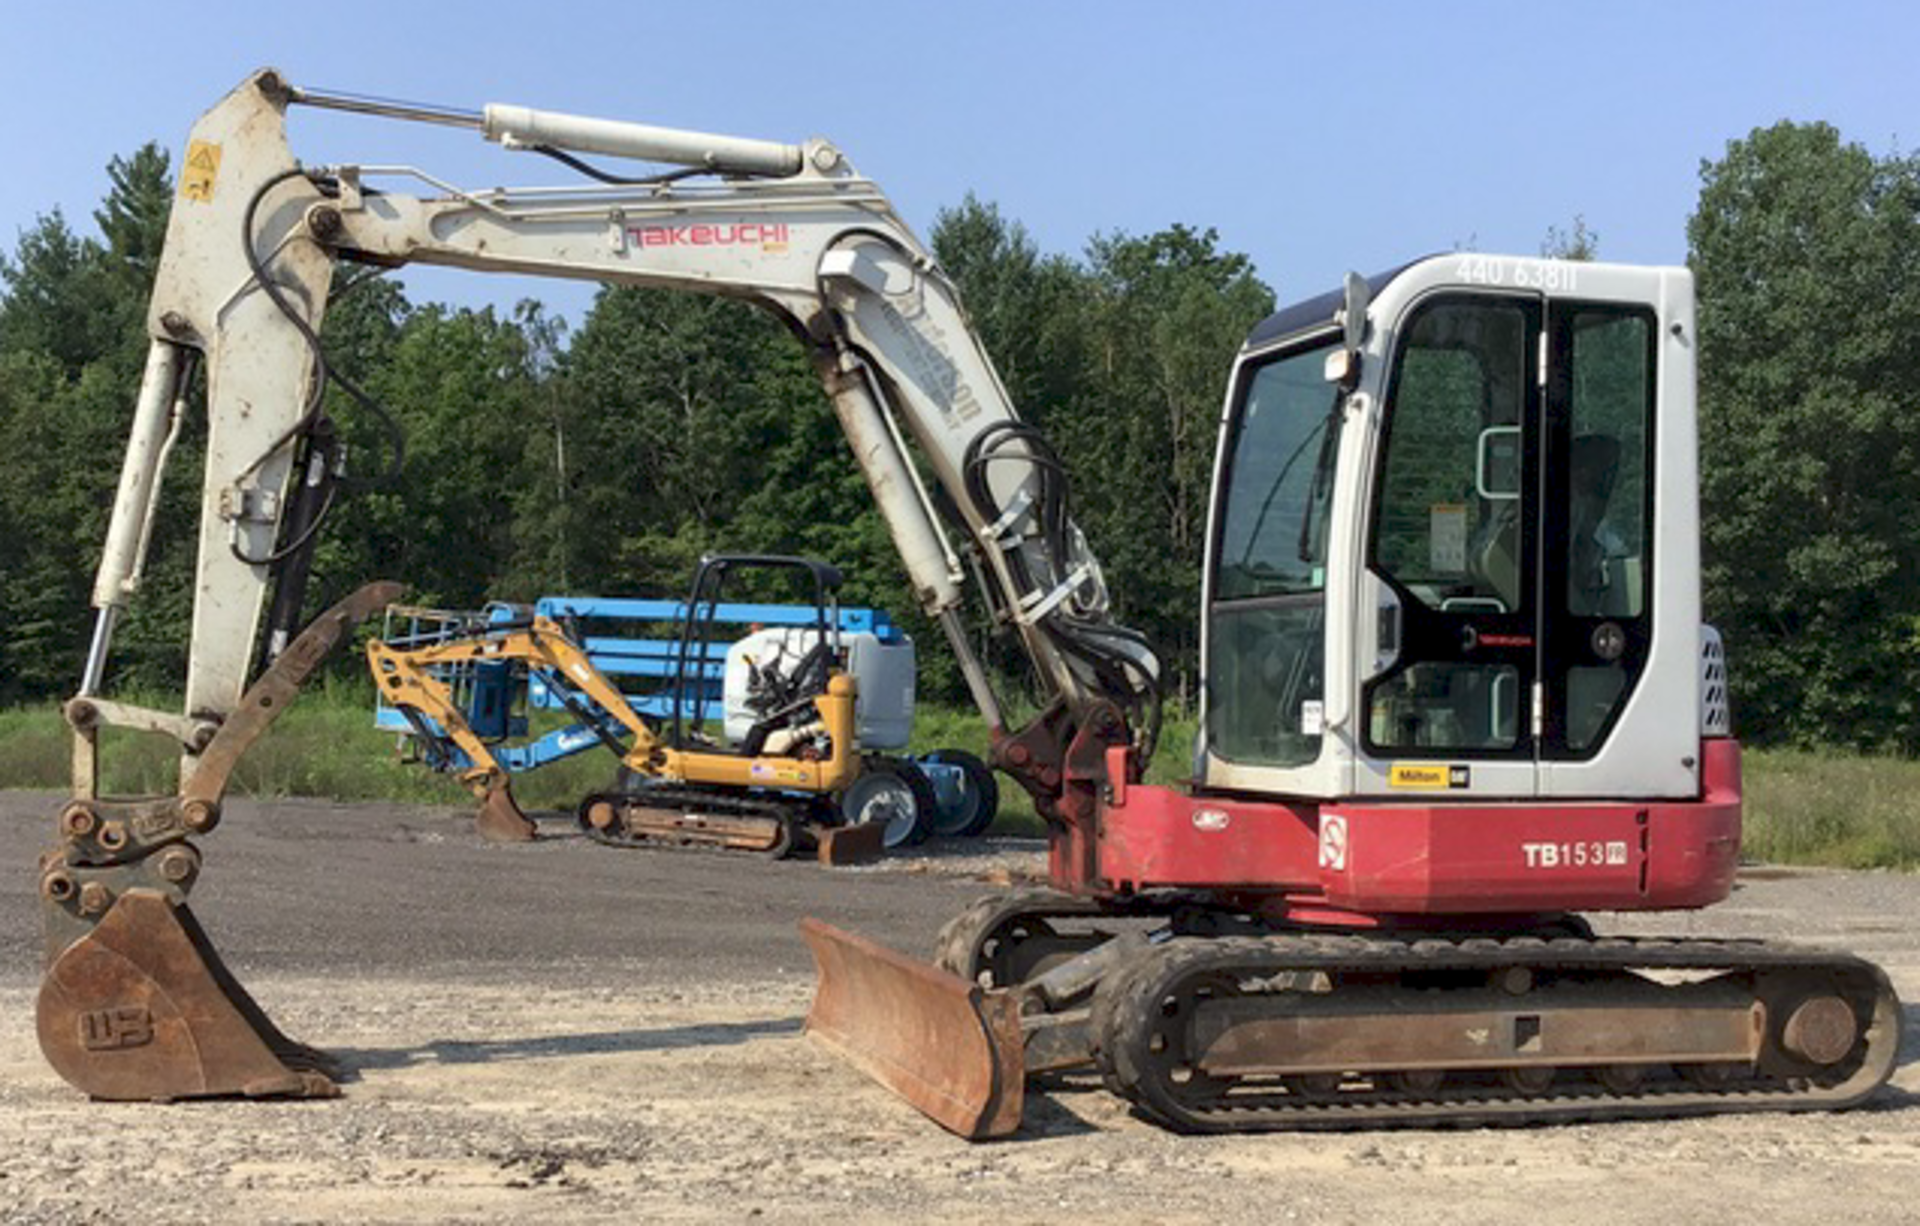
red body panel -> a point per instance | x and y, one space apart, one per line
1389 858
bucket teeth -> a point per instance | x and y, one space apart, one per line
949 1047
142 1007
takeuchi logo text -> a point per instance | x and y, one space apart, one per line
768 236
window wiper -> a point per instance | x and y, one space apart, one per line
1322 478
1273 491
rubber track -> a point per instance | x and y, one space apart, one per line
957 949
789 812
1128 1004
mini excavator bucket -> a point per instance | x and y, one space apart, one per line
499 819
136 1002
951 1048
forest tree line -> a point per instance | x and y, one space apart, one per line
607 458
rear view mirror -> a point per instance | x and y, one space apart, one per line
1343 365
1354 312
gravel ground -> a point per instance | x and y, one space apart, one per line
571 1032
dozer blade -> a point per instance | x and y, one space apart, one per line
949 1047
860 843
143 1008
499 819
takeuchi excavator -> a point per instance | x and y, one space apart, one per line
1457 689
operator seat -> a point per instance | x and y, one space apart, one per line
1594 469
1495 556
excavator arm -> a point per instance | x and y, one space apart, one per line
252 247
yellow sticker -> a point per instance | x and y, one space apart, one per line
1437 776
203 163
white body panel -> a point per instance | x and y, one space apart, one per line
884 672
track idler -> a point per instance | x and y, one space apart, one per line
137 1003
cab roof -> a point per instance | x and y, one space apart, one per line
1316 312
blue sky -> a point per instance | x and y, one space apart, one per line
1314 138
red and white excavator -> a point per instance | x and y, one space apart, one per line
1457 688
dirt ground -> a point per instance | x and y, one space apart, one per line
564 1032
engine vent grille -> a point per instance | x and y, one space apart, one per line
1715 717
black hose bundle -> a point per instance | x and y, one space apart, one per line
1122 662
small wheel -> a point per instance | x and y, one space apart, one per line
1312 1085
894 793
1620 1078
969 798
782 842
1528 1079
1713 1076
1419 1083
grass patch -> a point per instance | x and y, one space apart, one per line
1837 810
1801 808
324 745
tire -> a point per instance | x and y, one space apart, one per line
896 793
977 802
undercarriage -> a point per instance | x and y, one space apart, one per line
1206 1018
770 824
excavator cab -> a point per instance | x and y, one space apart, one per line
1443 574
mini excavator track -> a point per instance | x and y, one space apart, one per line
664 815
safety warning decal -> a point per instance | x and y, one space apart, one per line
196 178
1429 776
1333 842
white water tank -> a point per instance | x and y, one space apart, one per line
883 670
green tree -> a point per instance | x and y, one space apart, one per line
59 300
1807 254
462 387
133 220
1028 309
1167 313
71 351
1122 359
1577 243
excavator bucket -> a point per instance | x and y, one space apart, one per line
137 1004
949 1047
143 1008
499 819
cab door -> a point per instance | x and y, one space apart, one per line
1597 589
1452 558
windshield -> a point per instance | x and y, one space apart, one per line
1273 539
1265 657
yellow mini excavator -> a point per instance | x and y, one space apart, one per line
796 779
